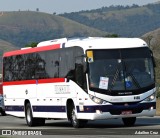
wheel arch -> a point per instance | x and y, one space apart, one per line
25 103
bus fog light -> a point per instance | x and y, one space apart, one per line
81 107
151 108
98 112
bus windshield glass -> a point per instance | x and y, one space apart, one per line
120 69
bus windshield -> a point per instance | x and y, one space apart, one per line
121 70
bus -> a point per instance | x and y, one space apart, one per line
80 79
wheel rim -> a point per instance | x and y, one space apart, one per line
74 117
28 115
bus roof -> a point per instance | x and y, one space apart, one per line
85 43
106 43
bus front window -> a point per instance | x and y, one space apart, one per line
121 70
103 73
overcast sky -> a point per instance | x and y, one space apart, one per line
61 6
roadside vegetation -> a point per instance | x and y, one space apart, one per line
158 107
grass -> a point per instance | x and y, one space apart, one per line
158 107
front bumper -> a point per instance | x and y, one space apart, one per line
117 111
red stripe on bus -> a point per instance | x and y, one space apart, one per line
55 80
32 50
40 81
19 82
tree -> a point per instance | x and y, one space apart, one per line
37 9
33 44
112 35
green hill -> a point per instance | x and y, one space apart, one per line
152 38
4 47
23 27
126 21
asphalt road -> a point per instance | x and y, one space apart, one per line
145 126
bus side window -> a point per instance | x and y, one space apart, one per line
40 70
56 74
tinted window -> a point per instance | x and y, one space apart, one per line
46 64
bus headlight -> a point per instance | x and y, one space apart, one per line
96 100
151 97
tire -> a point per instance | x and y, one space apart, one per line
76 123
3 113
130 121
29 117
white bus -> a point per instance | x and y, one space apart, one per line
80 79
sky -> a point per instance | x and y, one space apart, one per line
62 6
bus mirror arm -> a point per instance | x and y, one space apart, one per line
85 67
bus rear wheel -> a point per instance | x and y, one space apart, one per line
29 117
76 123
129 121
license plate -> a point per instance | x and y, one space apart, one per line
126 112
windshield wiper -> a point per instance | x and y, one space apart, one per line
114 78
132 76
134 79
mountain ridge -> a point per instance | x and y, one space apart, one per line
126 21
23 27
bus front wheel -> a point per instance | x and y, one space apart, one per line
29 117
76 123
3 113
129 121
